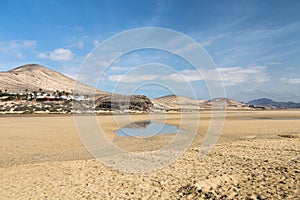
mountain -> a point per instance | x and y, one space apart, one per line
173 102
265 102
33 77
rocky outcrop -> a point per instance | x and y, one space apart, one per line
123 102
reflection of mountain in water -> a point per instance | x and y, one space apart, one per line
138 125
147 129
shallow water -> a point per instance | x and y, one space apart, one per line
147 129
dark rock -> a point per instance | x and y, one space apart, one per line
123 102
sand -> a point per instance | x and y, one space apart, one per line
257 157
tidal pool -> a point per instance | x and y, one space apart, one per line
147 129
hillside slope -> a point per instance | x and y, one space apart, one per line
34 77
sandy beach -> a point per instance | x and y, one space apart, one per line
257 157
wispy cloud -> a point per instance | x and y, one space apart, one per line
155 19
6 46
187 48
133 78
17 47
210 40
273 63
266 45
77 44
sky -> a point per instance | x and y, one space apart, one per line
255 45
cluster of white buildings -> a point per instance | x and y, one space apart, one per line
51 97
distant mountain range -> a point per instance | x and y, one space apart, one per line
173 102
265 102
34 77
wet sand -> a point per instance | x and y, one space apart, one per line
257 157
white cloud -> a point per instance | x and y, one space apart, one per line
42 55
133 78
57 55
294 81
61 54
236 75
290 80
120 68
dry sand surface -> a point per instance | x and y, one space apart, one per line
257 157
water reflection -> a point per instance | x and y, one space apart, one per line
147 129
138 125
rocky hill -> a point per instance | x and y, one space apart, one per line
33 77
269 103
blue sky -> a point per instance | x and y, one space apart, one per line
255 44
